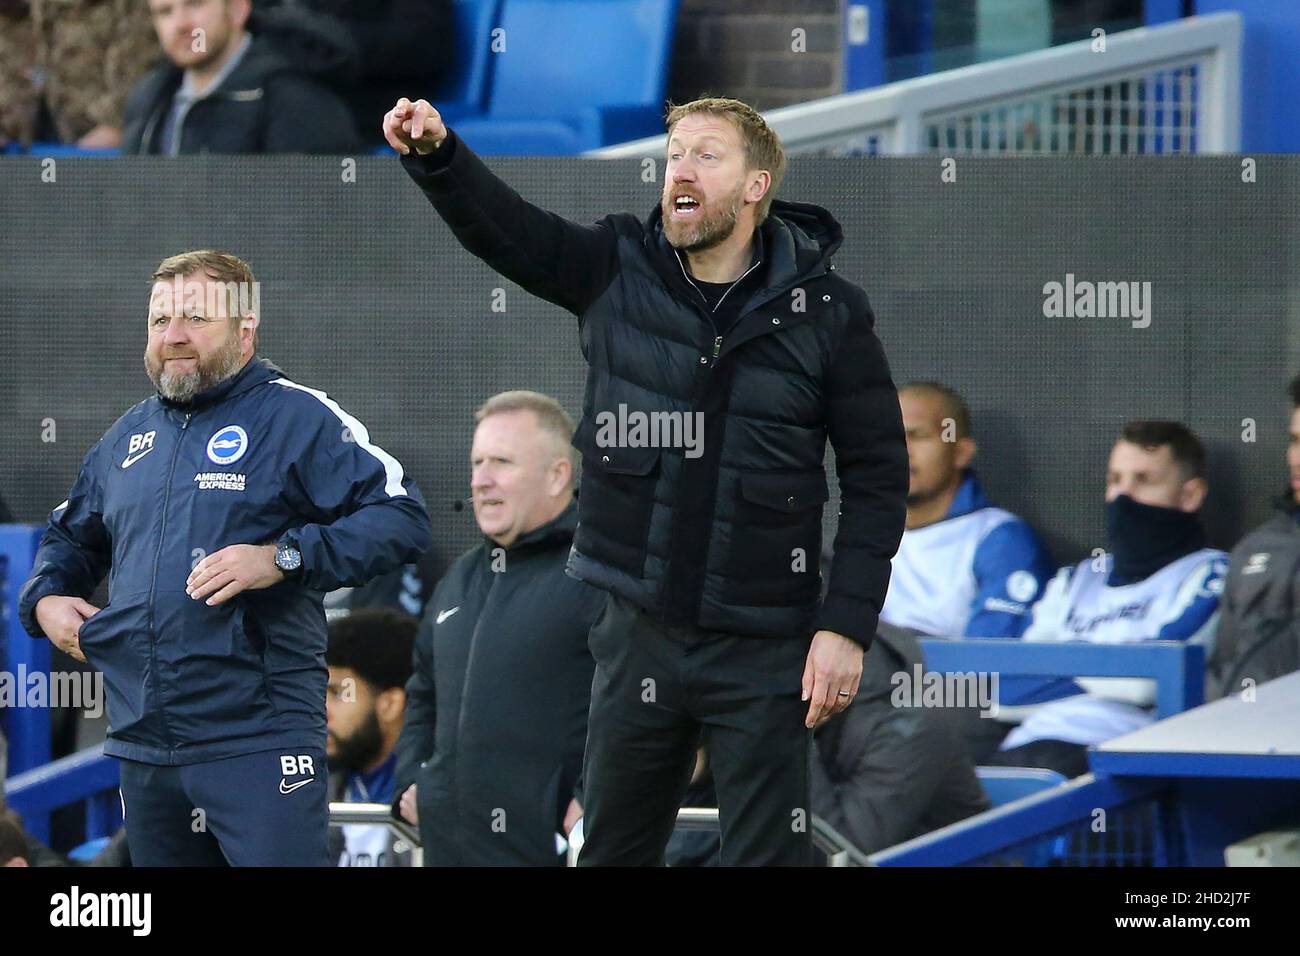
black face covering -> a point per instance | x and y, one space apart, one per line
1144 538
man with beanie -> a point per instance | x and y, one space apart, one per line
1157 581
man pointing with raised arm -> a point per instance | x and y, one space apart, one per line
723 351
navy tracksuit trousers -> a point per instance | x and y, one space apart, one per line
259 809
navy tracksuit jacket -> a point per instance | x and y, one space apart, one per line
250 460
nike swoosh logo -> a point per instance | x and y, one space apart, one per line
443 615
132 459
290 788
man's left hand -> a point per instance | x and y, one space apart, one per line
831 676
239 567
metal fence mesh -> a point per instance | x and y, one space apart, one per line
1130 835
1147 113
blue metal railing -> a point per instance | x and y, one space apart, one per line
1059 825
1178 669
1024 823
87 776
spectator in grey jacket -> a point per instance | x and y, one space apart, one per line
1259 619
883 774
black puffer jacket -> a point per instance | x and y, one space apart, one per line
266 105
728 540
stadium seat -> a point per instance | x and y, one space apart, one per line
465 93
88 850
608 85
1005 784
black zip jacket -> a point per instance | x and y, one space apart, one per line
728 539
496 709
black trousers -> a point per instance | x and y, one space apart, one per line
657 694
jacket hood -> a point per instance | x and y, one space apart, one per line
255 372
798 239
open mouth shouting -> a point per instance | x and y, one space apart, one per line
686 207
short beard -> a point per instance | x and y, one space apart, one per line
712 229
363 748
213 370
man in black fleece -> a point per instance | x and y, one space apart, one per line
490 753
723 350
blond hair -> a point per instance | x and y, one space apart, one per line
551 417
216 265
763 149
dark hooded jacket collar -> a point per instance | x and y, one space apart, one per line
796 241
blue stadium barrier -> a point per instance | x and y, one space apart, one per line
88 777
27 729
1056 826
1050 823
59 150
1005 785
1178 669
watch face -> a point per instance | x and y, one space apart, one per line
287 558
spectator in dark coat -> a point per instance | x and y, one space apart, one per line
881 773
223 89
496 717
1258 638
13 840
399 44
